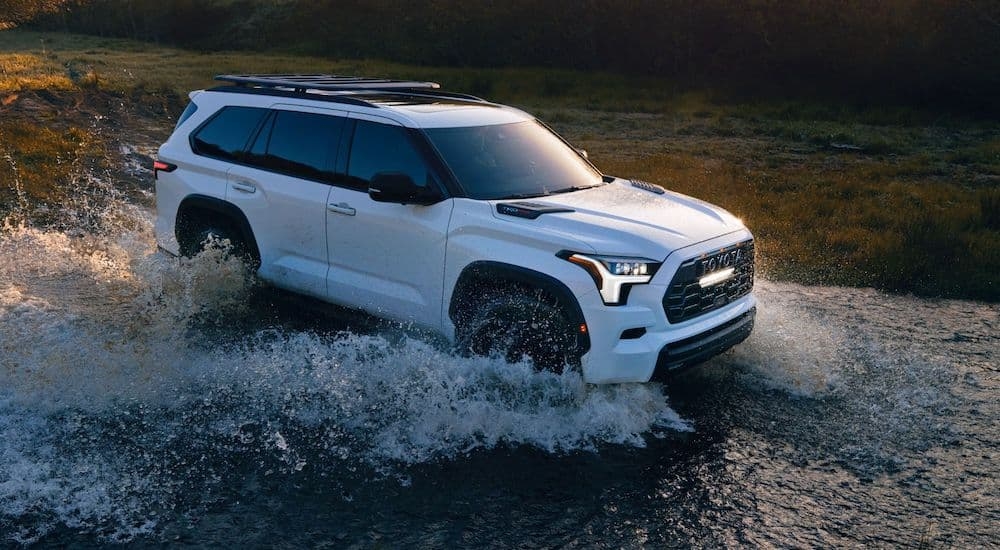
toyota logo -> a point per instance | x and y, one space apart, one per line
723 260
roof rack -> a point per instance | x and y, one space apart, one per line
304 82
428 94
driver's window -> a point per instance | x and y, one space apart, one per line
384 148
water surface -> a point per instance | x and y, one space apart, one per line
146 400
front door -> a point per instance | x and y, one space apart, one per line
386 258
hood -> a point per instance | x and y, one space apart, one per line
620 218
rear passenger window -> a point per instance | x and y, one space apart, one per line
384 148
298 144
226 134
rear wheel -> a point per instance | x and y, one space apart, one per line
202 234
516 322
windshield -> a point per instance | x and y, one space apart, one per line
512 161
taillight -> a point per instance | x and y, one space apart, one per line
160 165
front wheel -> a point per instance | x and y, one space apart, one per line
516 323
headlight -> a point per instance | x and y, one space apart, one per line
614 275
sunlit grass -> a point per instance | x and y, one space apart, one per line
19 71
890 197
42 167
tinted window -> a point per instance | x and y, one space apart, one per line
255 155
299 144
384 148
227 133
188 111
523 159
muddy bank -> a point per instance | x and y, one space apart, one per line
55 145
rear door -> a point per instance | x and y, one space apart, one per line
386 258
221 140
282 186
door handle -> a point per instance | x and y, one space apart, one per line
341 208
245 187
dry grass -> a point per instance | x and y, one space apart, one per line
43 168
836 194
19 71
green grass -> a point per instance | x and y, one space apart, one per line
54 60
884 196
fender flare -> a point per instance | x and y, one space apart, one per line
487 273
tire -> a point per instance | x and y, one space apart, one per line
202 235
518 322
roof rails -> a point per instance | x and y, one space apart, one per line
304 82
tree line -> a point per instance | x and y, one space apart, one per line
921 51
16 12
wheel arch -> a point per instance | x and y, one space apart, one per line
481 275
193 207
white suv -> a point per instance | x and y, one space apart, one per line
457 214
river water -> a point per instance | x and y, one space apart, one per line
148 400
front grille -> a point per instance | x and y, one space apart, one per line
686 298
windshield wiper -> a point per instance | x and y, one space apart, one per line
573 188
523 196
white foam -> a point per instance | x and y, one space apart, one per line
55 488
98 330
409 402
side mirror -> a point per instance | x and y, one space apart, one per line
399 188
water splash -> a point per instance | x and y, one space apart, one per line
130 380
793 348
138 390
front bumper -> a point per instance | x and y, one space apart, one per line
702 347
630 343
613 359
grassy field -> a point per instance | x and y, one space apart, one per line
902 200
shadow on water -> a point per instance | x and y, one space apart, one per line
677 490
264 307
523 496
